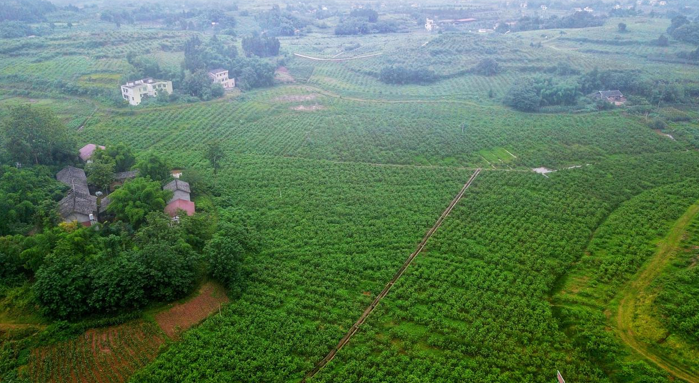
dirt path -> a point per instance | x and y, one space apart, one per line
336 59
630 295
355 327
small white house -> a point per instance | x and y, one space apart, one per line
220 76
135 91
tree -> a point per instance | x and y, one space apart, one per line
154 167
523 96
225 257
62 287
487 67
622 27
215 154
169 269
36 135
121 154
663 41
136 198
100 172
261 45
70 25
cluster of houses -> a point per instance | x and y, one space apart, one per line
135 91
79 205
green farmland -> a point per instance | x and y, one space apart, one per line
332 162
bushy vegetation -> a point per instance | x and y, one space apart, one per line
362 21
400 75
279 23
576 20
261 45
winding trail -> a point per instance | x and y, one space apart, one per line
355 327
630 295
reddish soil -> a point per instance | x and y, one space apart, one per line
108 354
113 354
282 75
183 316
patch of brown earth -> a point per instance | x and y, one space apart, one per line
308 108
108 354
296 98
282 75
180 317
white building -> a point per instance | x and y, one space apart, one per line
429 25
135 91
220 76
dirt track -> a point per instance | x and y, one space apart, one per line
334 59
629 296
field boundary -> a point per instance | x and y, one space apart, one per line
421 246
335 59
629 296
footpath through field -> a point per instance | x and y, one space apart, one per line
667 248
336 59
421 246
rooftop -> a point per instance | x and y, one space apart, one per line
76 202
87 151
177 185
218 70
610 93
137 83
70 174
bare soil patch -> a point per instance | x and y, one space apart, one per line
182 316
282 75
108 354
308 108
296 98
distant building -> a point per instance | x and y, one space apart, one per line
135 91
220 76
78 205
429 25
612 96
180 199
88 150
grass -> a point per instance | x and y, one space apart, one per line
638 325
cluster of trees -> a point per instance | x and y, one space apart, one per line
576 20
683 29
249 72
401 75
279 23
31 11
363 21
261 45
36 136
531 94
487 67
140 256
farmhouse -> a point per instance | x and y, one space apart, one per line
88 150
135 91
180 199
78 204
220 76
612 96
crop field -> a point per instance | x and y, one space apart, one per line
109 355
589 268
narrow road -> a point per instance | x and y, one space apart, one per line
355 327
335 59
630 295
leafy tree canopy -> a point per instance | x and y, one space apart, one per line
136 198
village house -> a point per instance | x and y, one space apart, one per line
429 25
88 150
135 91
220 76
78 205
180 199
611 96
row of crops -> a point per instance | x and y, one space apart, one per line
446 134
332 234
109 355
475 307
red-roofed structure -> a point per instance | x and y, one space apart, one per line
87 151
179 204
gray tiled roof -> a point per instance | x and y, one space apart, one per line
76 202
610 93
177 185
